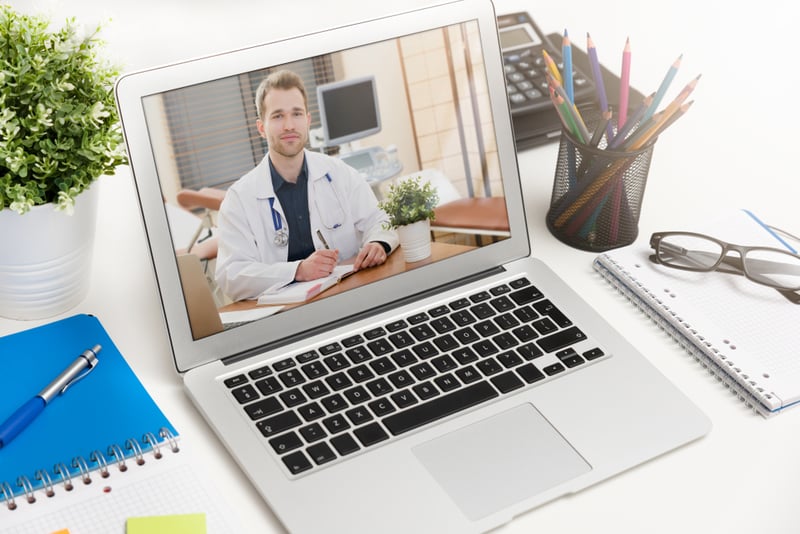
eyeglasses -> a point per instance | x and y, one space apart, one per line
773 267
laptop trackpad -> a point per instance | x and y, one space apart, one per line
500 461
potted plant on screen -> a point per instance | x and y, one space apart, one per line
409 205
59 132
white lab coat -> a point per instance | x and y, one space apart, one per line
340 203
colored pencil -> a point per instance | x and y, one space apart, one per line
655 125
662 89
624 85
599 84
566 57
632 122
551 66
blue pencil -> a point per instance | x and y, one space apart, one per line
598 83
566 53
662 89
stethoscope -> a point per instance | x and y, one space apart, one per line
281 238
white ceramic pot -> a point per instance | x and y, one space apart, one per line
415 240
46 258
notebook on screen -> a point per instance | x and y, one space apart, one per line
468 386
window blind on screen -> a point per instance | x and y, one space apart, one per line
213 125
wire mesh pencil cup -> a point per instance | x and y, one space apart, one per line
597 194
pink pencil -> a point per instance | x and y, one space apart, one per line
624 86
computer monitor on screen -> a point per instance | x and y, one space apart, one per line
348 110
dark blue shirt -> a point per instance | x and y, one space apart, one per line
293 197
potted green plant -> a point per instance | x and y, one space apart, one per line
410 206
59 132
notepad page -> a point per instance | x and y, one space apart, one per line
160 487
750 328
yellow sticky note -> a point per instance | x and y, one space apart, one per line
168 524
62 531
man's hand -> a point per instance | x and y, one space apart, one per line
318 265
370 255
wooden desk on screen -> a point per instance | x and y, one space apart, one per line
395 264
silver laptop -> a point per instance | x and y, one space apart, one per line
445 395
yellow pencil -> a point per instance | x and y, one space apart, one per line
552 67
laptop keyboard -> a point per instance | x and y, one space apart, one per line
351 394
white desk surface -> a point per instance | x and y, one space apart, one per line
735 148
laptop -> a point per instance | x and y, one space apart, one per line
445 395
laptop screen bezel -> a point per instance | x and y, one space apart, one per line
132 88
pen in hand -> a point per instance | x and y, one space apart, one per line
322 239
20 419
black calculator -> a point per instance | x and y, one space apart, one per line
534 117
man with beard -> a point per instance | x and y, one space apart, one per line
299 212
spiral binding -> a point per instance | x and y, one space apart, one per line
709 356
47 482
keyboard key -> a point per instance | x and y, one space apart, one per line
418 318
438 311
482 311
446 382
529 351
382 366
444 363
401 379
234 381
344 444
525 333
278 423
338 381
525 314
370 434
268 386
381 407
259 373
462 318
525 295
466 335
464 355
459 304
401 339
310 411
404 358
352 341
507 321
519 282
314 370
321 453
374 333
336 362
505 341
530 373
489 367
500 290
293 397
284 364
334 403
315 390
285 443
307 356
312 433
395 326
486 328
263 408
422 332
446 343
425 350
422 371
502 304
546 307
506 382
358 354
480 296
593 354
468 374
425 390
544 325
553 369
379 387
509 359
357 395
360 373
336 424
359 415
561 339
297 462
443 325
438 408
404 399
245 393
379 347
292 377
330 348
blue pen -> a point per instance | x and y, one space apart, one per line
20 419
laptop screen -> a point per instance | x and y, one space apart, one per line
421 97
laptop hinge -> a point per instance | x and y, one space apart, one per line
357 316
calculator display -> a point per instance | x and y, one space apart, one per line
517 37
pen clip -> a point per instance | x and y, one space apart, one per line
91 358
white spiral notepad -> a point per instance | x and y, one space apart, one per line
745 333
